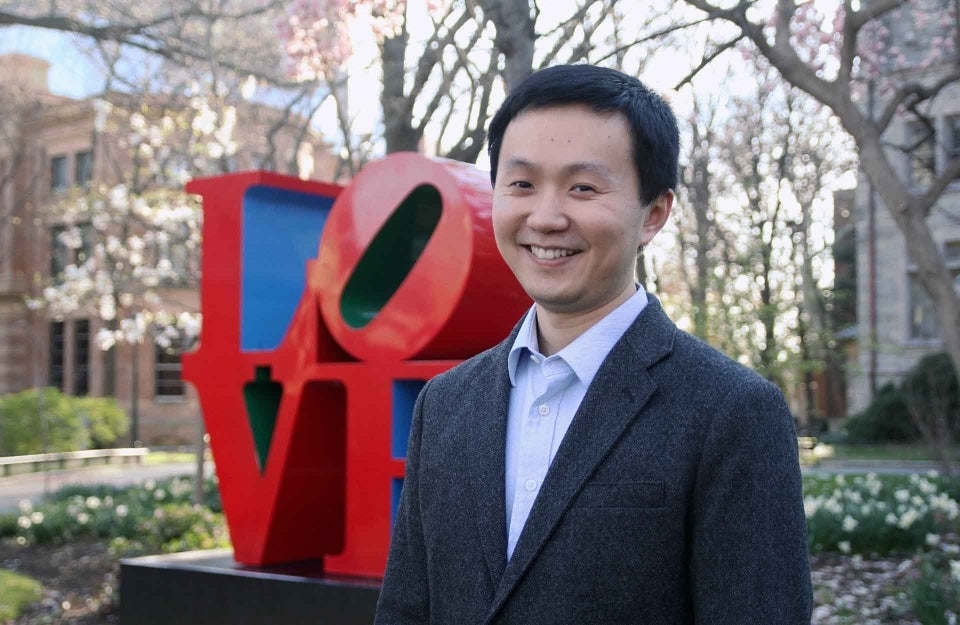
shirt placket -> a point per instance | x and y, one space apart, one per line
548 381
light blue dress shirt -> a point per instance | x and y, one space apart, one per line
545 395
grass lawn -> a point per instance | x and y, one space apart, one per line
877 452
16 593
171 457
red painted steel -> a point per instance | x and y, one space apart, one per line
325 490
459 296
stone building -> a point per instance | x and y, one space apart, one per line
891 303
48 145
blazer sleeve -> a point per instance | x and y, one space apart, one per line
749 556
404 595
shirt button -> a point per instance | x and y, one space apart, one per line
530 485
544 410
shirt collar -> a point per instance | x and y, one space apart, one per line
588 351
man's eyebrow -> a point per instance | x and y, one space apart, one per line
516 162
590 167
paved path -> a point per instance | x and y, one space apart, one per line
886 467
32 486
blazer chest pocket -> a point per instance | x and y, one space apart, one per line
622 495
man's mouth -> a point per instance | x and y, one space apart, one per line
551 253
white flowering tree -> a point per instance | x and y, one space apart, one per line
127 246
133 252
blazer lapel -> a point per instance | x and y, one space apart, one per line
613 401
489 400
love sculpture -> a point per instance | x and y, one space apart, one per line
325 309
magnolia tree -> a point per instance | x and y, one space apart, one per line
441 68
873 64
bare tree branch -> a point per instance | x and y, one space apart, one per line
652 37
708 58
910 95
870 11
565 30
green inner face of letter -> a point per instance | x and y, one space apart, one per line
390 256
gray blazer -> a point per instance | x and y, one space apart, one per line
674 497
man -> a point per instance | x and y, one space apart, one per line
599 465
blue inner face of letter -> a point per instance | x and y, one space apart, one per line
404 399
281 232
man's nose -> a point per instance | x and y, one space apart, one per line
547 213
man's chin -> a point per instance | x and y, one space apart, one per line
558 303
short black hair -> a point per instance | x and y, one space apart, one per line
656 138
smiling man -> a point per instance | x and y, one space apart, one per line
599 465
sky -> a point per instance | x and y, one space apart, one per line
72 73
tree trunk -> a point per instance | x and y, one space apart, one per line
515 37
398 130
697 182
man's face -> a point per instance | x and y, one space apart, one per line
567 213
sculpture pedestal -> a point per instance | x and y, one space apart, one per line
210 588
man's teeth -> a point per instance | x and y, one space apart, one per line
551 252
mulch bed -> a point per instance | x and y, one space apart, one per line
82 585
80 579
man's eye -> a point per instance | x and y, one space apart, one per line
521 184
583 188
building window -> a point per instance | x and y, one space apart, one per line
108 386
58 173
921 146
81 357
83 168
923 312
951 252
168 372
60 254
55 377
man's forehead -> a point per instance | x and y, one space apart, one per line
515 162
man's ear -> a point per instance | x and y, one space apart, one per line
657 214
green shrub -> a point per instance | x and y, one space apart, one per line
16 593
933 395
65 423
935 595
885 420
8 525
106 421
36 416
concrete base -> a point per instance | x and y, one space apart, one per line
210 588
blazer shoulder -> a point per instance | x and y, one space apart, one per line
711 368
471 370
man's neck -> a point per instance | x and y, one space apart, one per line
556 330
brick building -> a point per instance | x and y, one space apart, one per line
50 145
